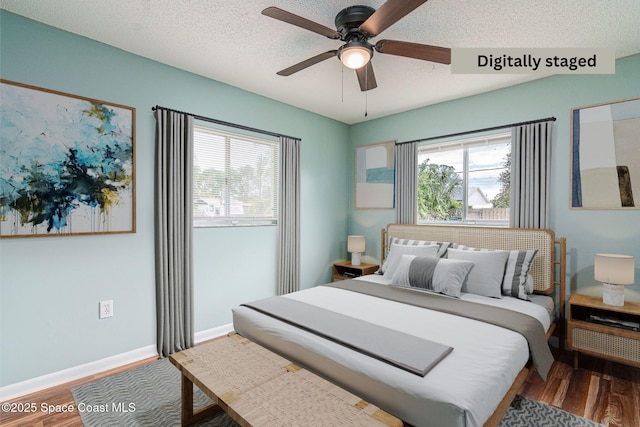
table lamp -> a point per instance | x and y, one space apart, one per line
355 245
614 271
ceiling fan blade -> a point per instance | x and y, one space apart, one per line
307 63
425 52
301 22
366 77
388 14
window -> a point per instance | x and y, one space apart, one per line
235 179
465 181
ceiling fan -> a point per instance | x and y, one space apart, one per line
355 26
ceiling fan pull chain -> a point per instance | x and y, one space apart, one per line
342 83
366 94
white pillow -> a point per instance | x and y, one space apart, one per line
517 281
441 275
486 276
396 252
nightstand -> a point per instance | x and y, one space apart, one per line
345 270
603 330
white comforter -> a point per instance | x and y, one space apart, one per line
464 389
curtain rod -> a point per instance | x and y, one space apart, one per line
548 119
220 122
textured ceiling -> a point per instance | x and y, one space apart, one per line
230 41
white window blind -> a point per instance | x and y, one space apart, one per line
235 179
465 143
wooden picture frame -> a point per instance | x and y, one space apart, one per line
68 164
605 155
375 176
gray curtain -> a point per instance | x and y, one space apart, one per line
289 217
174 231
406 183
530 175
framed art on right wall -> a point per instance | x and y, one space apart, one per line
605 155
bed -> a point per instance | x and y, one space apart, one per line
471 385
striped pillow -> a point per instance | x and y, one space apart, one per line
442 246
441 275
397 251
515 274
517 269
442 249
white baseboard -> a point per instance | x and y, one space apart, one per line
32 385
213 333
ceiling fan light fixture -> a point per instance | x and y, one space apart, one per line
355 25
355 55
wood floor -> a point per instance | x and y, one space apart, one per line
55 396
606 392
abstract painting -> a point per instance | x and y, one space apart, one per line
67 165
605 155
375 176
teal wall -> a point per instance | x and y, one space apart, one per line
51 286
587 231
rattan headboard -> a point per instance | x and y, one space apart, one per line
543 240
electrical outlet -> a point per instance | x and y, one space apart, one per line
106 309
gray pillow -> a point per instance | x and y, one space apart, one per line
441 275
486 277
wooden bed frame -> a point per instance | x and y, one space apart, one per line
548 269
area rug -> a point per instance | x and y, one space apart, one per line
526 412
144 396
150 396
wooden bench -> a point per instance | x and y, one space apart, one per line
256 387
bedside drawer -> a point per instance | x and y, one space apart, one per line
618 347
602 330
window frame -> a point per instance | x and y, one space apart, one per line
464 145
231 220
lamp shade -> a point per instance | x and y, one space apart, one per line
614 269
355 57
355 243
